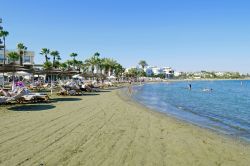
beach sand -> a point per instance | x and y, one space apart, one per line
108 129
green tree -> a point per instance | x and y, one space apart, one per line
84 67
119 70
73 55
47 65
4 34
63 66
45 52
143 63
55 55
13 56
69 63
78 65
133 72
93 62
21 50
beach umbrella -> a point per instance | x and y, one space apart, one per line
22 73
87 75
51 72
111 77
12 67
69 72
77 76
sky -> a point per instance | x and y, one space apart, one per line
187 35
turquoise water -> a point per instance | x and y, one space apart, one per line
225 109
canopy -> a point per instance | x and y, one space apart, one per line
77 76
12 67
111 77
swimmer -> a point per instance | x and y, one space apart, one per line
207 90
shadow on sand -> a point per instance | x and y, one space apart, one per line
105 91
65 99
90 94
40 107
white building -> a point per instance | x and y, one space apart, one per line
177 73
168 71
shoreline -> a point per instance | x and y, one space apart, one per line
125 96
108 129
210 129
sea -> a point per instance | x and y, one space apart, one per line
223 106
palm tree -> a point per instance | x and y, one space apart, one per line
45 52
74 55
69 63
94 62
21 49
58 58
84 67
63 66
54 54
119 70
112 64
143 63
47 65
106 65
13 56
79 65
4 34
97 54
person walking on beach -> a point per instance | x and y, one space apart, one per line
130 87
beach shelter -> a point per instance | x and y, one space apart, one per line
69 72
13 68
51 72
77 76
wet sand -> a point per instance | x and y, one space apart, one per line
108 129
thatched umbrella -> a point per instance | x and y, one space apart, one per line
87 75
51 71
12 67
69 72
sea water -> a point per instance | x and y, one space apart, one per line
223 106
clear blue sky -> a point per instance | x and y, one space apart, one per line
189 35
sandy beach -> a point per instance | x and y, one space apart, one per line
108 128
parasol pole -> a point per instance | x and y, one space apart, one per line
51 91
13 82
3 80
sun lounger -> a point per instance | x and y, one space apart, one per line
62 91
18 97
3 99
36 97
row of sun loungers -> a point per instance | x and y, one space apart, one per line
21 96
69 87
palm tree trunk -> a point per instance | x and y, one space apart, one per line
21 58
4 51
54 59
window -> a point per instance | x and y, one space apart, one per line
27 59
1 58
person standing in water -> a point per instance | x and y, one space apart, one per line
130 87
190 86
